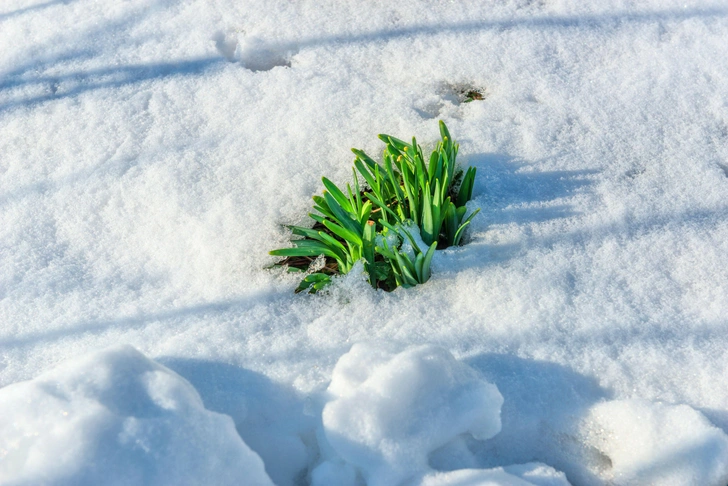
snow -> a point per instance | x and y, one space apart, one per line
116 417
532 474
657 443
390 411
151 151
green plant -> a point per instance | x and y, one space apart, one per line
407 272
432 195
402 189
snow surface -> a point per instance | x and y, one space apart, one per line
150 152
658 444
532 474
390 411
116 417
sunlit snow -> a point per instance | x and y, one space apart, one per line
152 151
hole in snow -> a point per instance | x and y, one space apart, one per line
465 93
253 53
447 98
725 168
226 43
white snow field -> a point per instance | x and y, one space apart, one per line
118 418
152 150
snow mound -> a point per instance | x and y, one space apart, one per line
531 474
655 443
389 411
116 417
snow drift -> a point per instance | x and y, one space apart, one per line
389 411
116 417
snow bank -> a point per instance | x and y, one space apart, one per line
532 474
389 411
654 443
116 417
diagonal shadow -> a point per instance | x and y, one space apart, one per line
539 22
516 194
135 322
540 399
72 84
509 193
32 8
111 167
271 418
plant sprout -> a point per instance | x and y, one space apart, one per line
403 188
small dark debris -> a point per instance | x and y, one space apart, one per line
466 94
473 95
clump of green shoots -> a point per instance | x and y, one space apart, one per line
371 223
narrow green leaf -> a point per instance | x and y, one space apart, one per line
340 216
393 141
338 195
411 239
344 233
357 193
459 234
363 156
303 252
317 218
334 245
444 132
382 205
407 268
365 173
366 211
307 232
419 261
368 252
433 165
427 225
395 181
427 262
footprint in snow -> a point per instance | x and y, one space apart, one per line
252 52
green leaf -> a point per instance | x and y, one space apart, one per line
419 260
466 187
400 145
338 195
366 211
334 244
427 226
459 233
341 216
363 156
322 207
433 165
428 260
412 241
344 233
365 173
307 232
398 194
317 218
444 132
303 251
368 252
407 269
382 205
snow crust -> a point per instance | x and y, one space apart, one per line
655 443
151 152
389 411
532 474
116 417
